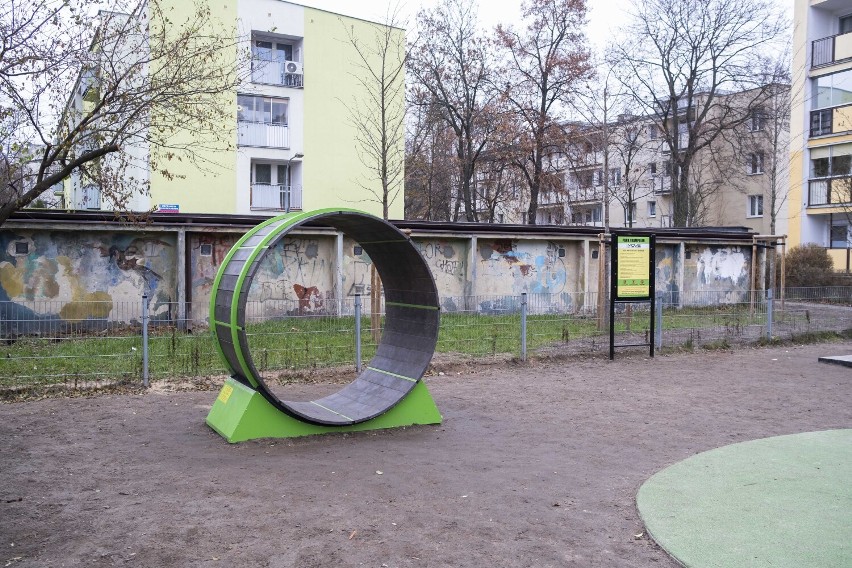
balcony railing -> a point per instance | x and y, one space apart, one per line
263 135
830 191
832 49
276 197
581 194
284 73
662 184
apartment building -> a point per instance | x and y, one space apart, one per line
821 127
293 144
741 179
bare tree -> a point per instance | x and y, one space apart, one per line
453 63
683 57
630 144
99 95
430 164
544 64
377 111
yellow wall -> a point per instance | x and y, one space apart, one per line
794 199
209 185
333 174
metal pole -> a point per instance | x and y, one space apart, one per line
358 333
659 323
145 339
769 306
524 326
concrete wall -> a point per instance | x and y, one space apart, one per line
320 271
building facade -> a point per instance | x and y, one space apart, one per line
821 127
293 144
741 179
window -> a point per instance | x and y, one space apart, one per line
652 168
831 161
22 247
206 249
652 132
598 180
832 90
585 179
840 236
630 213
270 174
615 177
846 24
755 206
755 163
667 168
757 120
499 217
821 122
271 51
266 110
652 209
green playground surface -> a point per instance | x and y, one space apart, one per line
777 502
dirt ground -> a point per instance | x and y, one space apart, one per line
534 465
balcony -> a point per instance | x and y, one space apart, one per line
263 135
830 191
586 194
275 197
283 73
831 49
662 184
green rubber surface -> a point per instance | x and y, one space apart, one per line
779 502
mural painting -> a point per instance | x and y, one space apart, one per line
84 277
295 278
510 268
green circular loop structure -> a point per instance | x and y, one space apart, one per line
411 316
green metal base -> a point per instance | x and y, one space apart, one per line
241 413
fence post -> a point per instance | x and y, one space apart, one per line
358 333
145 339
658 332
524 326
769 309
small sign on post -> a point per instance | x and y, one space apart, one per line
632 280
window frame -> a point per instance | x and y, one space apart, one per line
756 163
755 206
262 107
652 208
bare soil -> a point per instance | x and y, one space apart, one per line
534 465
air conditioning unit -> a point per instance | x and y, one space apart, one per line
293 67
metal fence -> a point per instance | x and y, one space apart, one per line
79 345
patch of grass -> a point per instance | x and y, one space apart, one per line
305 343
718 345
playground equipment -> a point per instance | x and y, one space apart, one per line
387 393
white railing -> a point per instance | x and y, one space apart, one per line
275 73
263 134
278 197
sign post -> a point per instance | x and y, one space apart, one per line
632 280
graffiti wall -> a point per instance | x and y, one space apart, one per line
295 277
100 276
86 276
206 253
509 267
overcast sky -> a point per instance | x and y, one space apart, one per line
604 15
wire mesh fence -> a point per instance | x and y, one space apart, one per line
80 345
